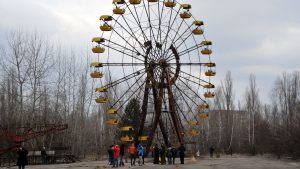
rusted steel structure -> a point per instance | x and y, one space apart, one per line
22 134
156 51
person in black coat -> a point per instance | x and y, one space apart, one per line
211 151
122 152
181 153
156 154
110 155
22 159
44 155
174 154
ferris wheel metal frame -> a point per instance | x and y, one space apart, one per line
159 49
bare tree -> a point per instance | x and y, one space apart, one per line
38 60
15 65
227 89
253 108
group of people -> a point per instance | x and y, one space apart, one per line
22 157
116 154
170 153
159 154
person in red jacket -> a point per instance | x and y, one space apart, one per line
116 150
132 152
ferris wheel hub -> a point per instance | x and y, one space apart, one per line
163 63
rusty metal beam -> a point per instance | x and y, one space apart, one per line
157 105
164 132
172 111
139 131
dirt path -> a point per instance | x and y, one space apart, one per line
205 163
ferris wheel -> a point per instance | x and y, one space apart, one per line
155 51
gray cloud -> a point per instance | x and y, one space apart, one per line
260 37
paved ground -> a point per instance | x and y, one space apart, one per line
205 163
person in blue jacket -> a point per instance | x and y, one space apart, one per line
140 152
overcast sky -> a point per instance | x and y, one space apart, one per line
258 36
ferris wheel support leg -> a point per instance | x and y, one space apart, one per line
173 114
158 105
164 132
139 132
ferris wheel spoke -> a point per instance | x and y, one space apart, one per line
184 93
151 29
132 34
136 19
127 91
170 26
160 14
191 89
139 21
182 114
191 80
192 76
123 79
181 111
179 36
125 48
182 35
190 49
139 26
188 105
166 51
149 19
123 64
123 52
181 53
186 31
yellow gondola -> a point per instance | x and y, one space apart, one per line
101 89
203 115
134 2
152 0
206 42
210 64
98 40
96 64
127 128
119 1
112 111
186 6
198 31
101 100
98 49
96 74
112 122
206 51
127 138
203 106
143 138
185 15
106 27
106 18
210 73
193 122
209 86
118 11
194 133
198 23
209 94
170 4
